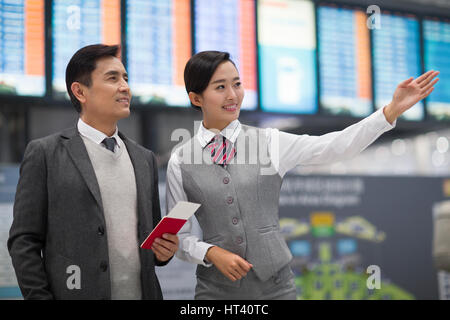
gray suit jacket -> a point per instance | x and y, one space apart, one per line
59 221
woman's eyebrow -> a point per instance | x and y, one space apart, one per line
223 80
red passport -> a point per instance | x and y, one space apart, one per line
166 225
172 223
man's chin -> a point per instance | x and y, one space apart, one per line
125 113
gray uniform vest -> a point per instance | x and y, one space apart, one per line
239 209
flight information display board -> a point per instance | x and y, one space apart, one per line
229 25
437 57
344 60
158 47
396 57
287 56
22 47
78 23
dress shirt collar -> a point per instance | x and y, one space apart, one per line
230 132
95 135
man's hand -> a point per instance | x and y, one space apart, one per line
231 265
408 93
166 247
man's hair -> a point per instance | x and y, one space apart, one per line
200 69
81 65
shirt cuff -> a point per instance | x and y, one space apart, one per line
194 252
202 250
379 121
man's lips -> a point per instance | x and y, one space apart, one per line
124 100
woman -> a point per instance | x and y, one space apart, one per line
235 172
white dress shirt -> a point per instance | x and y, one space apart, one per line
286 151
97 136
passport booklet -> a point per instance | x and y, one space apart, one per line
172 223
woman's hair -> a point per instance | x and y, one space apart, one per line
200 69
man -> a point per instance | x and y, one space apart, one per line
88 196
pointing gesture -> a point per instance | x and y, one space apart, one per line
409 92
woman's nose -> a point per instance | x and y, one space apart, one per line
231 94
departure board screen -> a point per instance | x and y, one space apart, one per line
22 47
396 57
158 47
287 52
437 57
344 60
229 25
78 23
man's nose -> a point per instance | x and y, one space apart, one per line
124 86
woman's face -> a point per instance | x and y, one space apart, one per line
221 100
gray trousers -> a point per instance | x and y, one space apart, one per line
279 287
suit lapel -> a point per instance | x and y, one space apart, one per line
143 178
77 151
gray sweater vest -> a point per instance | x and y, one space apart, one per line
117 183
239 209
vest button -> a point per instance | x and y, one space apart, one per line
230 200
239 240
103 266
235 220
226 180
101 231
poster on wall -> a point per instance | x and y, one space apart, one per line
361 237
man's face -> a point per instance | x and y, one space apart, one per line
109 96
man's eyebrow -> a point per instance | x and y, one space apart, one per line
115 73
223 80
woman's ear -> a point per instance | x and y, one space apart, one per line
196 99
78 92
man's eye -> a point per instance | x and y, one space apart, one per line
237 84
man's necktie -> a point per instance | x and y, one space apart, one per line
222 150
109 143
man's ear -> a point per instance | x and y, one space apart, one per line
196 99
78 91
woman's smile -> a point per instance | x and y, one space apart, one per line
230 107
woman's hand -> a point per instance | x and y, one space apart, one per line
231 265
408 93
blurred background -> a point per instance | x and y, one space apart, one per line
308 67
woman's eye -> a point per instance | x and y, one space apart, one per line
220 87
